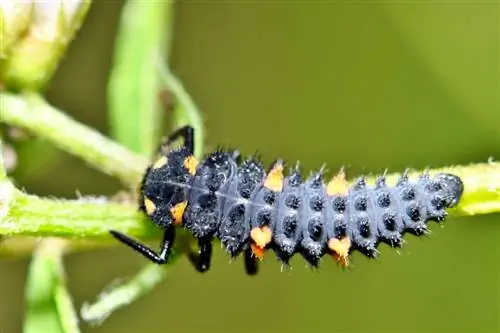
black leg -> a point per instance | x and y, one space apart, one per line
158 258
185 132
251 264
201 260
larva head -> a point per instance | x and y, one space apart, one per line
162 189
452 188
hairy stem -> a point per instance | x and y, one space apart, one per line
33 113
123 295
85 218
186 111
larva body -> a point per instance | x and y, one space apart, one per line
250 210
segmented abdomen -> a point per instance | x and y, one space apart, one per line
244 206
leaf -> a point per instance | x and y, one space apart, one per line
135 111
49 306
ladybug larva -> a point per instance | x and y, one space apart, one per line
251 210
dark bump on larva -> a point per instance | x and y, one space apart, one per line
408 194
438 202
292 201
360 183
295 177
315 228
317 180
381 182
413 212
339 204
389 219
290 224
364 226
317 203
361 203
269 197
384 199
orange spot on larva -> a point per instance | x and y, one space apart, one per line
261 236
340 248
191 163
257 251
150 206
177 211
274 180
338 185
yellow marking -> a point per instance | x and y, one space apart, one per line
257 251
150 206
274 180
338 185
160 162
261 236
191 163
177 211
340 247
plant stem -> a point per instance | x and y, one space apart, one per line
125 294
85 218
48 303
186 111
135 113
33 113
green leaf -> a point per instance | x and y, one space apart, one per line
49 306
135 111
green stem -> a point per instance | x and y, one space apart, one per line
123 295
135 113
85 218
49 306
33 113
186 111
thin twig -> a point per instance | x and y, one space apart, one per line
33 113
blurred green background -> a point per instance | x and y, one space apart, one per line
369 85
